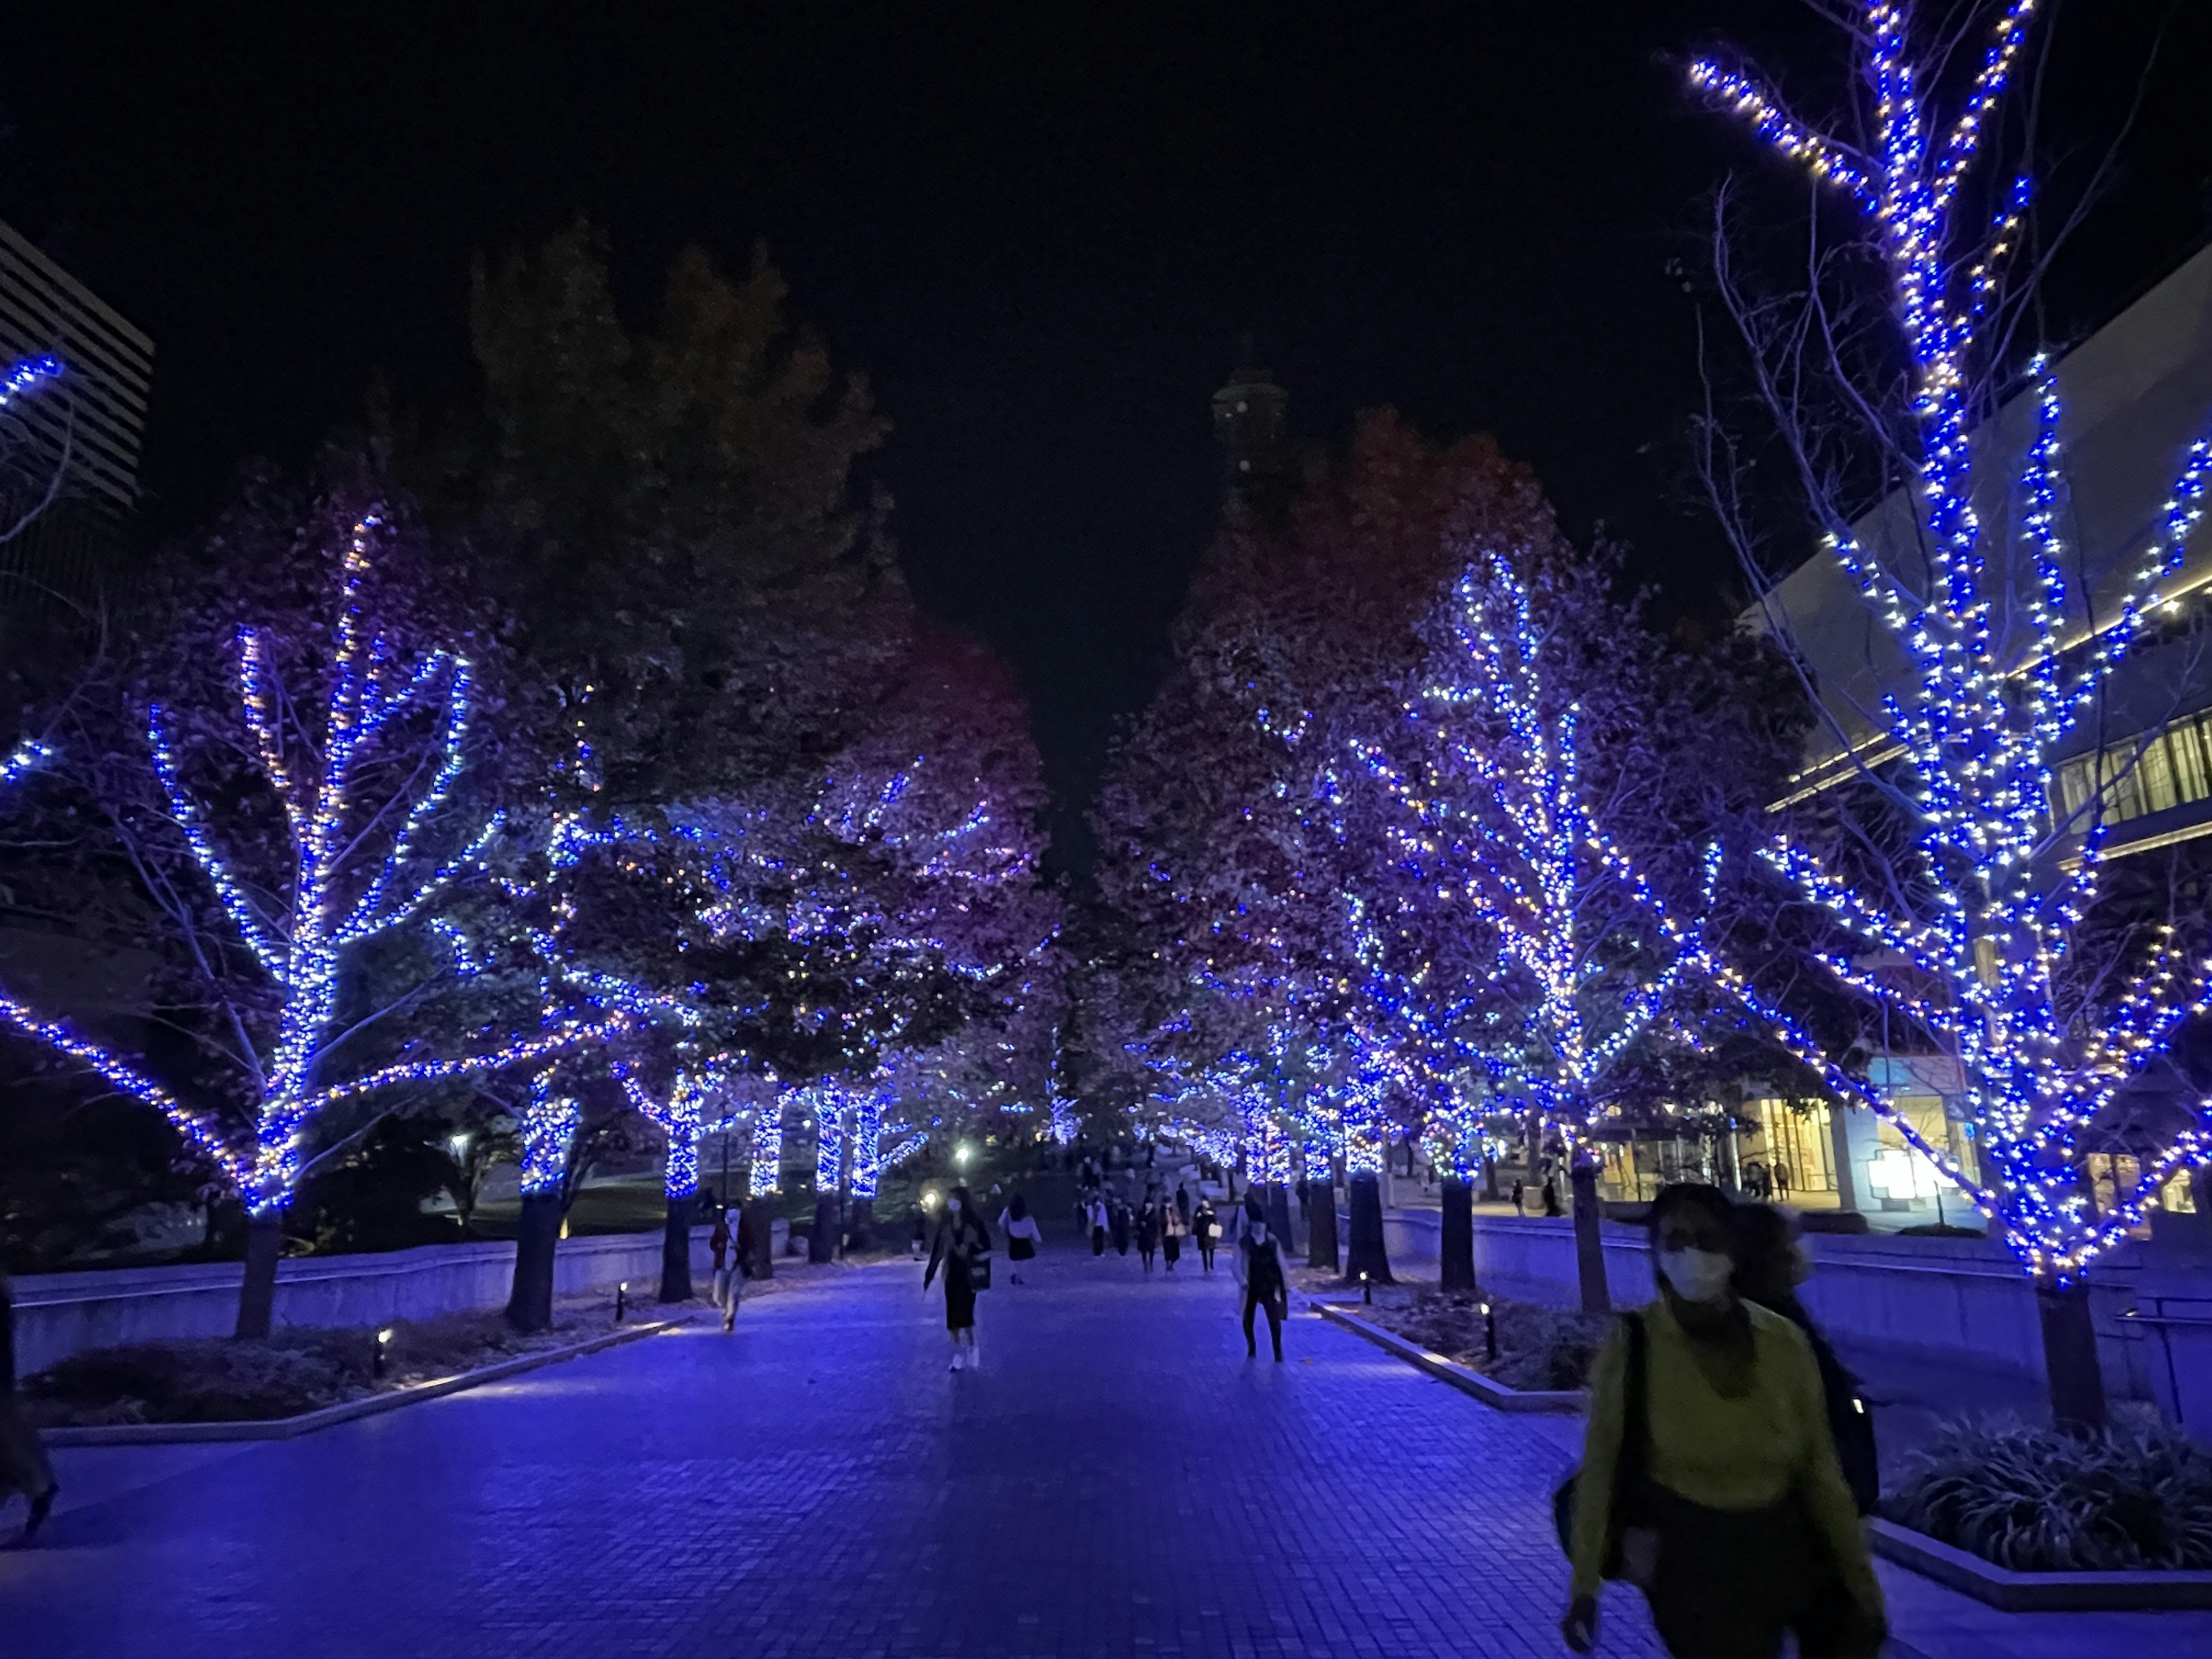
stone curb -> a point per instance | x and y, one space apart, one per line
1467 1381
288 1428
2037 1592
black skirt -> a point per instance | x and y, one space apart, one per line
1019 1249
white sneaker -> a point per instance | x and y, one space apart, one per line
956 1364
975 1359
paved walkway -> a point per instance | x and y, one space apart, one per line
1117 1479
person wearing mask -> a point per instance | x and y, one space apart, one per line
1731 1513
1174 1225
1206 1229
1264 1278
1098 1220
962 1240
1023 1237
23 1465
1148 1231
1770 1264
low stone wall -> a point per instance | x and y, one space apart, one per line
1952 1303
60 1314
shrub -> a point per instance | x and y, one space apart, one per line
219 1379
1538 1347
2039 1500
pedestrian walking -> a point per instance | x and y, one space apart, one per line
1118 1220
1550 1196
1520 1198
1023 1237
963 1248
23 1465
1722 1499
1207 1231
919 1240
1265 1280
724 1282
1182 1204
1173 1226
1771 1265
1148 1231
1097 1222
1782 1180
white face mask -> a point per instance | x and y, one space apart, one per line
1697 1275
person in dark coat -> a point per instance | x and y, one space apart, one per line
962 1237
23 1465
1121 1227
1206 1228
1265 1280
1148 1231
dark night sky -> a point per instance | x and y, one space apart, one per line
1039 231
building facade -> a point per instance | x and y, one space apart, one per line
69 454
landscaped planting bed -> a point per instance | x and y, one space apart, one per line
1539 1348
291 1373
2039 1500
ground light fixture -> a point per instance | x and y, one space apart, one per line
622 1300
383 1344
1366 1290
459 1142
1490 1332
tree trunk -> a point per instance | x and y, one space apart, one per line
2069 1356
1367 1254
1279 1215
1457 1270
676 1248
821 1243
1489 1181
761 1215
861 1226
257 1296
1322 1249
530 1299
1589 1241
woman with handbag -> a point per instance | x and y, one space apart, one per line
964 1251
1023 1236
1206 1228
1174 1225
1724 1502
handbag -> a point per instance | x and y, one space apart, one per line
979 1271
1631 1548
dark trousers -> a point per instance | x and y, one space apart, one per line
1728 1582
1273 1304
1097 1241
1206 1253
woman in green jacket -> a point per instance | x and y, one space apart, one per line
1738 1526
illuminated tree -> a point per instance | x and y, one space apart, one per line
1959 871
1504 830
273 859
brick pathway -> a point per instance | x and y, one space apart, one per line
1116 1481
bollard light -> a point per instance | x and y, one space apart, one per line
1366 1290
1489 1331
622 1300
383 1341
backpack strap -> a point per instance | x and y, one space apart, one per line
1634 1471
